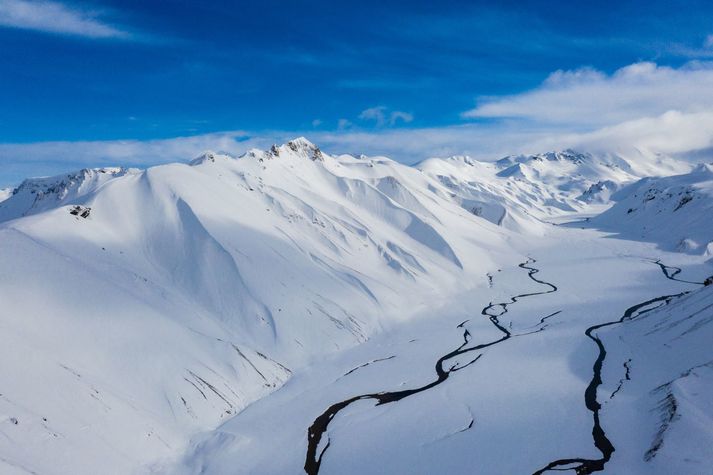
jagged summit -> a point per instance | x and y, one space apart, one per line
301 142
299 147
568 155
552 156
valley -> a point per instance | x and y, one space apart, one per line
291 311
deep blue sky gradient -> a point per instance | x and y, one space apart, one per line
198 67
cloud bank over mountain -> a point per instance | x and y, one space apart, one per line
642 108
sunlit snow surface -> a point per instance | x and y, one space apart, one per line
197 318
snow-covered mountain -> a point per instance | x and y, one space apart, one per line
173 297
514 189
674 212
143 311
35 195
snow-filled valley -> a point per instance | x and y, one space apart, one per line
289 311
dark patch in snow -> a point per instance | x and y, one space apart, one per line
80 211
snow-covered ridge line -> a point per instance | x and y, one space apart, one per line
506 192
161 302
35 195
173 297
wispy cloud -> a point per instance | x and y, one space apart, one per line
381 116
400 116
672 133
586 98
55 17
641 109
376 114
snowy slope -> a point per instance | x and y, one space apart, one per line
515 189
151 319
35 195
511 405
172 298
662 413
674 212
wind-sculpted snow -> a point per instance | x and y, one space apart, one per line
188 291
663 413
150 319
513 190
316 448
673 212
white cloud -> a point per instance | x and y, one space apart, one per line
377 114
708 43
400 115
380 116
585 99
687 135
673 133
316 122
643 109
55 17
121 152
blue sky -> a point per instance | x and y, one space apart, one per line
375 74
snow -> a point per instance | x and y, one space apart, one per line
35 195
5 193
525 395
514 189
673 211
197 317
667 401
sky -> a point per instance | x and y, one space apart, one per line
140 82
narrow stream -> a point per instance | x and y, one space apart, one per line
583 466
493 311
672 275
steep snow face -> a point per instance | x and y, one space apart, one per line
513 190
673 212
663 411
142 307
35 195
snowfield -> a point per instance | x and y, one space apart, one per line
201 317
674 212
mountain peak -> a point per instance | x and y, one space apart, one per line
300 147
301 142
207 156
